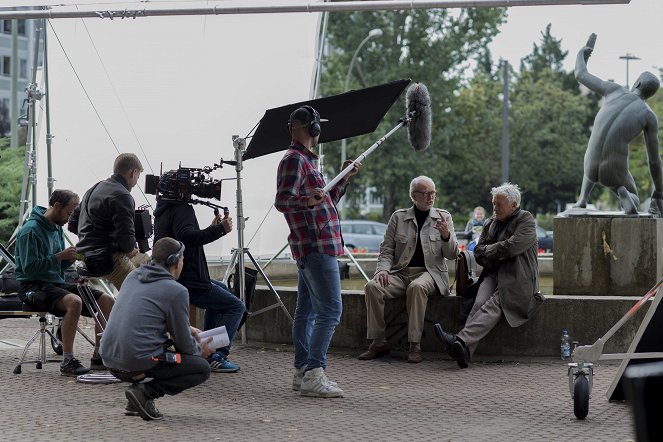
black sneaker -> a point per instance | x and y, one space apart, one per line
73 367
130 410
96 363
136 395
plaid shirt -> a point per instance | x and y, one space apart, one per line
312 229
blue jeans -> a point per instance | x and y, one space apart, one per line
318 311
221 308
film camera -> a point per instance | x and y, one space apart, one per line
183 183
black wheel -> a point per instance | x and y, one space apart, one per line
38 365
581 397
57 346
17 369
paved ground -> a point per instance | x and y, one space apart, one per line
385 400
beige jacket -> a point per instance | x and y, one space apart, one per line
400 240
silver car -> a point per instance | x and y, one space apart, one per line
363 236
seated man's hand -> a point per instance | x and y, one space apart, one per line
205 349
227 224
68 254
133 253
382 278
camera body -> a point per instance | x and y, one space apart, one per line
183 183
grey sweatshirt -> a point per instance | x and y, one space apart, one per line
150 305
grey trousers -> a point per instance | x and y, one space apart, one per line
416 284
484 316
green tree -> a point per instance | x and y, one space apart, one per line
432 47
547 142
11 171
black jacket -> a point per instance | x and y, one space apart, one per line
178 220
105 217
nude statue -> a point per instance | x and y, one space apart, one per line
622 117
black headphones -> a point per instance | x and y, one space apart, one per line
175 257
314 117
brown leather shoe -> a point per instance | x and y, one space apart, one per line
374 351
415 356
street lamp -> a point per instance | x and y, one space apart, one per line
373 33
628 57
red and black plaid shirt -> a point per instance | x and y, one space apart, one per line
312 229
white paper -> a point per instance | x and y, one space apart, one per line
219 336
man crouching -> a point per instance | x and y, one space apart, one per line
134 347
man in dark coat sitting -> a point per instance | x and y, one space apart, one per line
509 282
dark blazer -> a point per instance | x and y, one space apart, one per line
105 217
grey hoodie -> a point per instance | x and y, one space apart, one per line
150 305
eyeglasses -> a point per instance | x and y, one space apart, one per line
432 193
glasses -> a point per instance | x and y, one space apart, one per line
432 193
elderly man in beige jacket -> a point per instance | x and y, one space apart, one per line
412 263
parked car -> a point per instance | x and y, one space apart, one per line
545 240
363 236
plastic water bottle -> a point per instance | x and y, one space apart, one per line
565 347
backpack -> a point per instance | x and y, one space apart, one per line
466 267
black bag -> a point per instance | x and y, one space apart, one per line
99 261
466 267
8 282
250 279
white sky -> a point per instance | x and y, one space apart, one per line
634 28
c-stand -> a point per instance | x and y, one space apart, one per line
239 144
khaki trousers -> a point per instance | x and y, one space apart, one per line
122 266
416 284
484 316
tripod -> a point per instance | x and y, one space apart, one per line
238 255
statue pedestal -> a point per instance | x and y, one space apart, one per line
607 254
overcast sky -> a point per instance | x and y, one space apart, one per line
634 28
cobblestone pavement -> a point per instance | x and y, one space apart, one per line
386 400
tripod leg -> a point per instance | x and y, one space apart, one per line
231 265
352 258
91 304
279 302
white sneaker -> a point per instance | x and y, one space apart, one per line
297 378
299 375
316 384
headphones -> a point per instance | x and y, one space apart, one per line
175 257
314 117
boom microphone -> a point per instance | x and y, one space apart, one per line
417 103
418 122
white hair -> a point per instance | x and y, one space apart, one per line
510 191
417 180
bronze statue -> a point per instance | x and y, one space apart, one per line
622 117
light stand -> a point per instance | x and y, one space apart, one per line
239 144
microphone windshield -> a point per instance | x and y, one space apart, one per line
417 102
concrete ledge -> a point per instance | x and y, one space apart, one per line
287 269
586 317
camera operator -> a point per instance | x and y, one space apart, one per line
161 308
177 219
104 223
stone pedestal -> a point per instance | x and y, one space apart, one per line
607 255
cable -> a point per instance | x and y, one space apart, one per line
260 225
89 98
83 87
133 130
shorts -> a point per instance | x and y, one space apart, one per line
45 295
